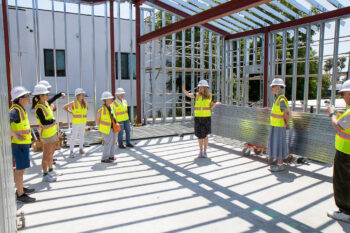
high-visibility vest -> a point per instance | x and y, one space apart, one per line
276 117
22 128
105 120
121 110
79 113
342 138
202 106
46 131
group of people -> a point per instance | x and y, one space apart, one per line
112 119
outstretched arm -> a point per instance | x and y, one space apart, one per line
190 95
213 105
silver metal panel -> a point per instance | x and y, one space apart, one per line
307 68
320 67
252 125
335 60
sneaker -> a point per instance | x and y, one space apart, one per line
338 215
49 178
200 154
81 151
130 145
122 147
54 173
28 190
71 155
25 198
205 154
272 161
277 168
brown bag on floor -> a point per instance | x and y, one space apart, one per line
116 126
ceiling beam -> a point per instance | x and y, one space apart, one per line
219 11
297 22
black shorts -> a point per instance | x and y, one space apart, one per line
202 126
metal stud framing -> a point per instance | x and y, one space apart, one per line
335 59
307 68
320 67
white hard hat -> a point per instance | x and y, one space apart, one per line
17 92
40 89
277 82
203 83
45 83
106 95
120 91
79 91
345 86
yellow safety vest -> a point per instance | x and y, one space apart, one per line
46 131
121 110
79 113
342 138
276 117
22 128
105 120
202 106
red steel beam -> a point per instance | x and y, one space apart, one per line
138 65
111 28
219 11
7 50
184 15
293 23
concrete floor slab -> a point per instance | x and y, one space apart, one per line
161 186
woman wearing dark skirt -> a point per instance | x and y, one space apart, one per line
202 115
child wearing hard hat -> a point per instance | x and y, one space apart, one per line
341 169
277 145
48 130
121 112
106 120
202 115
78 108
20 140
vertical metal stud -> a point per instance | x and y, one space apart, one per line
307 68
238 75
108 81
295 68
183 65
119 47
19 53
66 55
80 47
38 36
173 72
226 73
320 67
143 68
192 70
164 72
218 68
230 71
35 43
210 58
335 60
153 86
284 55
94 57
131 62
201 53
246 74
255 48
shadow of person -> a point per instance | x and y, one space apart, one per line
285 176
42 186
102 166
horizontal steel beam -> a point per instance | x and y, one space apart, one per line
219 11
293 23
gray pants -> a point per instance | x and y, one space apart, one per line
109 144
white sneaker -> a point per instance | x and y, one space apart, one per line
49 178
200 154
71 155
338 215
205 154
54 173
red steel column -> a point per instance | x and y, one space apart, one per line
111 29
7 51
138 65
266 65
